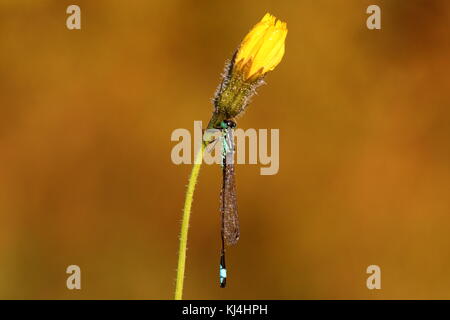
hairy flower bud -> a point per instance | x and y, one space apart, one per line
260 52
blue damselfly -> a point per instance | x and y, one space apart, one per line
228 203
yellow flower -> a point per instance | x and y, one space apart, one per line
262 48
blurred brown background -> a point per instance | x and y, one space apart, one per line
86 176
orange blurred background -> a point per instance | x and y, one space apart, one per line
86 176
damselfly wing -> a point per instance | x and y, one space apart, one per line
229 213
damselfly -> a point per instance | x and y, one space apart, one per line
228 203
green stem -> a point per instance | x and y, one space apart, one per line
185 222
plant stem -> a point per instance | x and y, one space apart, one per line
185 222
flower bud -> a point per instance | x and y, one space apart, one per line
260 52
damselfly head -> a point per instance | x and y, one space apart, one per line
228 124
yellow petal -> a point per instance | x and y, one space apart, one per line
262 48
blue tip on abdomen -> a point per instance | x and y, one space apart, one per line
222 273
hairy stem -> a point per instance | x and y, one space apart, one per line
185 222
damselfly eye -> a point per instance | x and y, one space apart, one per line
230 123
